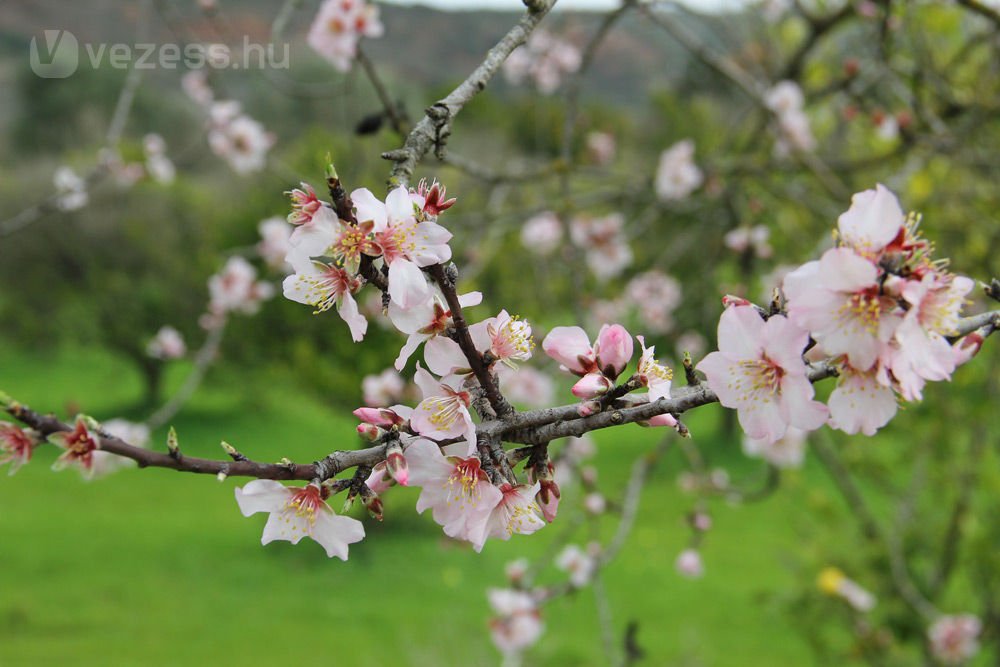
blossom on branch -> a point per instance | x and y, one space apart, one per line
339 26
545 59
456 490
677 176
300 512
168 343
517 624
954 639
444 411
16 446
79 445
759 371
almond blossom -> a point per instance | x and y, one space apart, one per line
517 624
16 446
238 139
168 343
542 233
297 512
603 240
305 204
954 639
324 286
650 373
339 26
689 564
425 321
872 222
577 563
515 513
759 371
545 59
655 295
840 301
325 235
456 490
601 147
406 244
444 411
80 444
236 289
861 403
677 176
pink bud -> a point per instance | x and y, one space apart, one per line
591 386
588 408
967 348
383 417
396 465
689 564
613 349
369 432
662 420
548 499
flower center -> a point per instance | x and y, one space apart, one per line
763 375
463 482
324 290
864 307
305 502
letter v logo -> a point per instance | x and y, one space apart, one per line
56 55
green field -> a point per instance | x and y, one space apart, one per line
159 568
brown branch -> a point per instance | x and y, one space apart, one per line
436 124
464 340
396 116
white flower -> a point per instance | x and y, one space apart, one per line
579 564
677 175
295 513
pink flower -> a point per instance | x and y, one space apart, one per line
80 445
935 306
328 236
651 374
16 445
655 295
677 176
840 301
241 141
324 286
444 412
577 563
571 347
518 624
759 371
435 198
406 244
545 59
510 338
955 639
456 490
872 222
860 403
425 321
295 513
542 233
608 253
339 26
236 289
516 512
305 205
168 343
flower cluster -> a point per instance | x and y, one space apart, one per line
955 639
544 59
339 26
237 138
71 190
159 167
599 365
402 232
877 304
235 289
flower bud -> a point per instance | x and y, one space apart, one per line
395 463
369 432
372 502
614 350
591 385
548 499
732 300
588 408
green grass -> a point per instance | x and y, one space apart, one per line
154 567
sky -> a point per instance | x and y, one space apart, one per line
700 5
